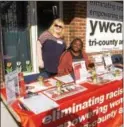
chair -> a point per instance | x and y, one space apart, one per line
117 59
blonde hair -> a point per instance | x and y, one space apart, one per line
51 28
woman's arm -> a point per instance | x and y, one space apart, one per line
39 55
65 64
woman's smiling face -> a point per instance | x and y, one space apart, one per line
77 46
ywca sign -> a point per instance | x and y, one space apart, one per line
104 26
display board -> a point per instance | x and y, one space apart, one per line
104 26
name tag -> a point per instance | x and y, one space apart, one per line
59 42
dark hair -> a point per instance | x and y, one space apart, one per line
76 39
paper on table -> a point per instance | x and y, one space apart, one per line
52 81
65 79
36 87
39 103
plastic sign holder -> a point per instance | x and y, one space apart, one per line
80 71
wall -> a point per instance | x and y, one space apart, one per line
74 16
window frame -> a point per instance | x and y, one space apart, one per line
34 33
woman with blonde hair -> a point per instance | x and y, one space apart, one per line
50 46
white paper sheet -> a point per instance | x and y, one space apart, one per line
35 87
98 58
65 79
100 69
39 103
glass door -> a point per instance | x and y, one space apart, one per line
47 11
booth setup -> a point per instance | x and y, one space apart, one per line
86 98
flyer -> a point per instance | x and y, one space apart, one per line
80 71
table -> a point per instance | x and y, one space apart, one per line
99 106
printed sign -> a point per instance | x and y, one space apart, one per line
104 26
99 63
107 59
80 71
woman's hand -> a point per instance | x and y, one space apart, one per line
41 64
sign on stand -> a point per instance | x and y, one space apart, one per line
80 71
12 86
99 63
107 59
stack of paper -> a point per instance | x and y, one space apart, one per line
65 79
38 103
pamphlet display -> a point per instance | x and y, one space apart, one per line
99 64
66 90
107 59
12 86
36 86
80 71
98 58
65 79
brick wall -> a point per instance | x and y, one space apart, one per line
74 16
75 20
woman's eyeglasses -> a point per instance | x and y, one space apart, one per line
58 26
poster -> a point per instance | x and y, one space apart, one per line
104 26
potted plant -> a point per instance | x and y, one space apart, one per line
8 67
59 87
28 66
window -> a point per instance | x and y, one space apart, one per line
22 23
15 33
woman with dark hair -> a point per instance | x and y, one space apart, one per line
73 53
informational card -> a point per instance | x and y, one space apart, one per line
99 64
65 79
80 71
107 59
98 58
100 68
12 86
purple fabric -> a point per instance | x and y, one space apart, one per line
51 52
